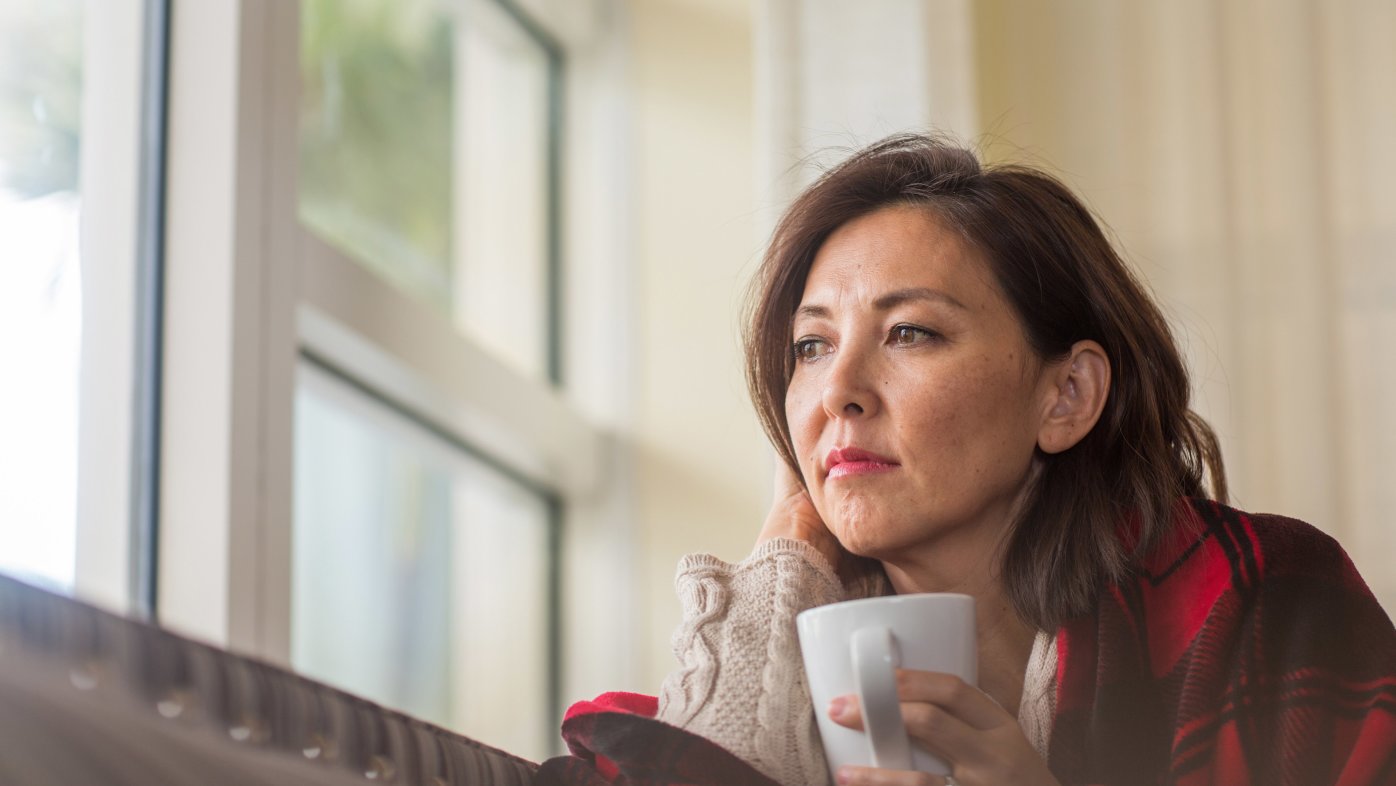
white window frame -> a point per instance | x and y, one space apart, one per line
110 179
249 291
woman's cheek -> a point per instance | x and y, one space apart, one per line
803 438
853 517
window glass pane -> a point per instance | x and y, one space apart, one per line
420 572
41 67
502 187
376 136
424 150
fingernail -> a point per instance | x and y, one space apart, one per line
844 775
838 707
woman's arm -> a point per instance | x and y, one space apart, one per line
741 682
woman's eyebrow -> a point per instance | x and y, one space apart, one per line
886 301
899 296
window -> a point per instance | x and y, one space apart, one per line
425 155
72 206
369 457
424 549
40 287
420 570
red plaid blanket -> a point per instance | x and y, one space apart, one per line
615 740
1246 650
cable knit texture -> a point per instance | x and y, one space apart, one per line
741 681
1039 701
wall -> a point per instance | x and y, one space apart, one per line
702 467
1236 151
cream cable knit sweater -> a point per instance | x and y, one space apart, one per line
740 681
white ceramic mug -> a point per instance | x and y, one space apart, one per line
853 648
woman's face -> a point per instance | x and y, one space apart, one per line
916 401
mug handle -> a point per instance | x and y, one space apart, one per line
875 656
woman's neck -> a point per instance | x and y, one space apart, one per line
1004 639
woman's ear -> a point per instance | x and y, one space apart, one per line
1078 387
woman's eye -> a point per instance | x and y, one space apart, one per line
905 335
810 349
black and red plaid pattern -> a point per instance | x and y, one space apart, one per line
1246 650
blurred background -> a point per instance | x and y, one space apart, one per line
398 341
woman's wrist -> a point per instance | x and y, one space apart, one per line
821 540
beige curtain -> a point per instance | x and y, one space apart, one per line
1244 153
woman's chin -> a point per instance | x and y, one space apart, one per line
866 549
863 538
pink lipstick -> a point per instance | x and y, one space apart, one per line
845 462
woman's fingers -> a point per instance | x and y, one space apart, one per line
871 776
793 515
786 481
959 724
945 691
942 712
936 729
959 698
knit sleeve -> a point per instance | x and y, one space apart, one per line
740 680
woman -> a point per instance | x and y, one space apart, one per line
972 393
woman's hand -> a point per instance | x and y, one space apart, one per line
793 516
957 722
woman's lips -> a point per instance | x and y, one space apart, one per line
847 462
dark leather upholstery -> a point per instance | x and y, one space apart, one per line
88 697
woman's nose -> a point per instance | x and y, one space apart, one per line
849 391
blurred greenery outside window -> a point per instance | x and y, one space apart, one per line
426 156
376 137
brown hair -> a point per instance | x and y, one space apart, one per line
1066 283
